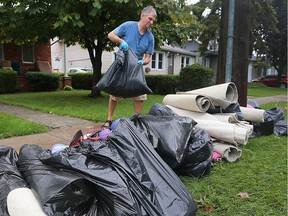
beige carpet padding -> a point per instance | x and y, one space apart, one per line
23 202
228 152
221 95
227 117
253 115
191 102
231 133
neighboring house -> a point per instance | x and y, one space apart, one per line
27 57
254 73
166 60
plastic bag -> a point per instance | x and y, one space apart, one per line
274 114
160 110
60 192
171 133
10 176
280 128
125 77
198 157
130 177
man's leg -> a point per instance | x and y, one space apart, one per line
138 105
111 108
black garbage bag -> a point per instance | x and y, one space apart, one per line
172 135
234 108
125 77
265 128
130 177
280 128
60 192
10 176
160 110
274 114
198 159
269 126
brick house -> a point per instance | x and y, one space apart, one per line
23 58
27 57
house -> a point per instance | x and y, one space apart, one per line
27 57
166 59
23 58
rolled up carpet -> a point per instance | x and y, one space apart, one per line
22 201
253 115
231 133
219 94
227 117
229 152
191 102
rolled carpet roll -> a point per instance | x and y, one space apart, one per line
225 92
229 152
253 115
191 102
22 201
231 133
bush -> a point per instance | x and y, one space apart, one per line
68 88
194 77
8 81
162 84
82 80
42 81
256 85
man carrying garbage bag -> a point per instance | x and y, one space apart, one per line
138 37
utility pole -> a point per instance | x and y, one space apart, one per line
239 56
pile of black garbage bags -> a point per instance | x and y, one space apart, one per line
132 172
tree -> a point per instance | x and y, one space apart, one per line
277 40
87 22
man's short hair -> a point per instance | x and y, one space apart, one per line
149 9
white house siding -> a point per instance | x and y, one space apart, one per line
75 56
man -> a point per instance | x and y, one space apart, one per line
138 37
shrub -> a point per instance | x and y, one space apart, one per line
8 81
67 88
82 80
256 85
194 77
42 81
162 84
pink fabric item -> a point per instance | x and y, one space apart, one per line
216 156
249 106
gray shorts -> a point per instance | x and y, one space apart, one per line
138 98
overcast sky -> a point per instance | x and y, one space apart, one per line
192 1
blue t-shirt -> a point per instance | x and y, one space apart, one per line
140 44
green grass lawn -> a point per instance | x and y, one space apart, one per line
13 126
261 172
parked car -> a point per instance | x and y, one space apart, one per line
271 80
79 70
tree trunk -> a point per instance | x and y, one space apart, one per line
96 61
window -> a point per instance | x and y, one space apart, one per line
1 52
157 61
206 62
185 61
28 53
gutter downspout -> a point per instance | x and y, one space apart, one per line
230 36
65 57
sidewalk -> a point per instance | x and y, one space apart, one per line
63 128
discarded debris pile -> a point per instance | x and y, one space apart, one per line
215 110
121 175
